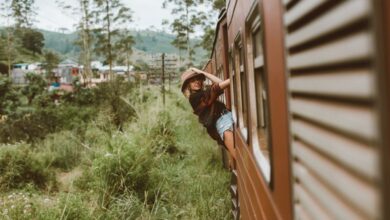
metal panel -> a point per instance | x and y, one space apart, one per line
359 86
330 22
358 157
333 110
360 194
301 9
351 119
310 207
351 48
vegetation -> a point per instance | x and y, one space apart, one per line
156 164
109 16
187 18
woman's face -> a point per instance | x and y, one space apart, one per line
196 83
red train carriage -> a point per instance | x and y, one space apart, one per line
310 101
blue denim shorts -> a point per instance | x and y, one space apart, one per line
225 122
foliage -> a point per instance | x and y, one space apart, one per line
123 169
128 174
124 47
22 12
85 37
9 97
19 166
33 40
113 94
209 25
187 18
62 150
36 86
110 15
218 4
52 59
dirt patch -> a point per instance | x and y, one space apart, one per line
66 179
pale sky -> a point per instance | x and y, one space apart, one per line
146 13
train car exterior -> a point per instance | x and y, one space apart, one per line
310 100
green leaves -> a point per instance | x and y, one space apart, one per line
109 16
33 40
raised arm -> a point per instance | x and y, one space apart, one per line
222 83
210 76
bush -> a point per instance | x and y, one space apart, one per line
122 170
112 94
19 166
162 134
62 150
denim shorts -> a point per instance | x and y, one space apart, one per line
225 122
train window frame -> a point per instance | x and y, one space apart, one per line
233 86
241 87
261 114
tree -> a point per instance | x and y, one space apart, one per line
22 11
110 15
51 61
187 18
6 14
9 99
36 86
33 41
84 8
209 25
125 46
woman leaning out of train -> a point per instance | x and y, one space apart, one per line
212 113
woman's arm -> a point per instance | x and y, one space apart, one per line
224 84
212 77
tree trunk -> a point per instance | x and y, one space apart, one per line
9 47
109 39
188 38
86 42
128 62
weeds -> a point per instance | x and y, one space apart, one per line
158 165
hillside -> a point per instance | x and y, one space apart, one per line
146 41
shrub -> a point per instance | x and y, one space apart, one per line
123 170
62 150
112 94
162 134
19 166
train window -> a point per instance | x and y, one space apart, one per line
261 132
243 104
234 85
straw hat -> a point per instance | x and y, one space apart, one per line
188 74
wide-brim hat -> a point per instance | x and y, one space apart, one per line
187 75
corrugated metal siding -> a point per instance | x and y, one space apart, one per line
333 117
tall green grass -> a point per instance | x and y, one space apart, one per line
160 164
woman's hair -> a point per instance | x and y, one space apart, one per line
187 91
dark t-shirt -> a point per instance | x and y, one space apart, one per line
207 107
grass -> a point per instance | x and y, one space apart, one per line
161 165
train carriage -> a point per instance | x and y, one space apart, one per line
310 102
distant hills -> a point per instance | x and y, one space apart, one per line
147 41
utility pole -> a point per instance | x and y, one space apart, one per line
163 77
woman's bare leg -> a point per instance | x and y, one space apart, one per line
229 143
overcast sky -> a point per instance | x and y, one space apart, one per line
146 13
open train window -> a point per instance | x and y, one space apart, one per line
261 144
242 84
